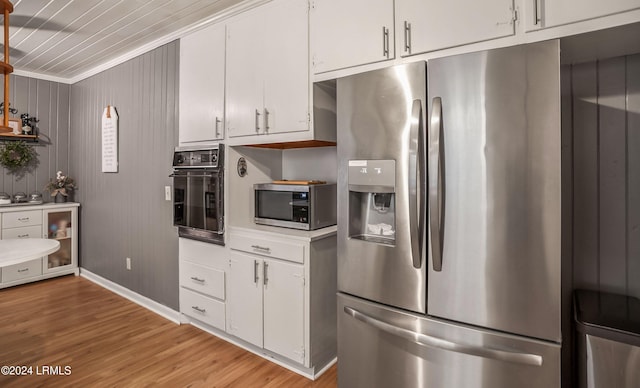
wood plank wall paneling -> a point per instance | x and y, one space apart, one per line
49 102
124 214
605 111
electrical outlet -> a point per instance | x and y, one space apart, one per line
167 193
128 263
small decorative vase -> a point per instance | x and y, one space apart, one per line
59 198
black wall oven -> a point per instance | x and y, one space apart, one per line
198 197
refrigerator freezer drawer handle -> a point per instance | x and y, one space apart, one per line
436 182
438 343
416 183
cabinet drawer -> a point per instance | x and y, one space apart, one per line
202 253
23 232
18 219
22 270
279 249
202 279
202 308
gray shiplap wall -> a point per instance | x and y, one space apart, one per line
124 214
605 123
49 102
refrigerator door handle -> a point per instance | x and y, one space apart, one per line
436 182
416 183
439 343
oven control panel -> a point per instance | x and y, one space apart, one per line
204 158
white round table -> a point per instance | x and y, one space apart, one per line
16 250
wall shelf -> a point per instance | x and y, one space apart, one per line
4 136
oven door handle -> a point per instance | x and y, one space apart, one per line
190 175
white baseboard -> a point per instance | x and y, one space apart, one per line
143 301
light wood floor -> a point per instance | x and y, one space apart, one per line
109 341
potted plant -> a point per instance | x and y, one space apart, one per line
16 155
60 187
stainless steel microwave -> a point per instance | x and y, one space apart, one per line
306 207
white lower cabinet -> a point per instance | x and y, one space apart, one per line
52 221
271 293
202 282
266 304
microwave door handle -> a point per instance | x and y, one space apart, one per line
416 183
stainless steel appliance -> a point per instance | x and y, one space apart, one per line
304 206
449 253
198 193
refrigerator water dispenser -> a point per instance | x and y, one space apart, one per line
372 210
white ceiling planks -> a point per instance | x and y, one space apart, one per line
67 39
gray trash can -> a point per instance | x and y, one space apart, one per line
608 340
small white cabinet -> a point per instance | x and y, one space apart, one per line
552 13
53 221
281 294
202 277
202 83
351 33
268 70
429 25
266 304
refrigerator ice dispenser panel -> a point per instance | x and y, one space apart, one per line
372 210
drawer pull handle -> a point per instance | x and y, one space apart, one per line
259 248
23 219
23 270
196 279
23 235
198 309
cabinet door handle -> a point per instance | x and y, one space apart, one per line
265 269
385 42
255 271
218 121
407 37
257 120
536 14
266 120
197 279
263 249
198 309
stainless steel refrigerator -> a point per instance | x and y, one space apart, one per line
449 234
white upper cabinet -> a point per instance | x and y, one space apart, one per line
287 82
202 60
268 70
551 13
428 25
351 33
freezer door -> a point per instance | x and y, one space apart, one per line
383 347
494 189
381 178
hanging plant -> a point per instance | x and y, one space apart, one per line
16 155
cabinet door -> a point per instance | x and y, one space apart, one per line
245 58
62 226
202 85
351 33
244 298
284 309
428 25
545 13
286 63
